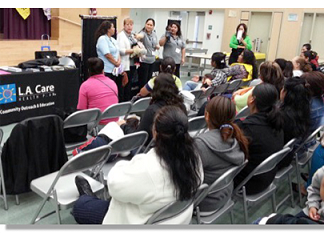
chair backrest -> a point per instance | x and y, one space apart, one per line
310 138
141 105
196 124
264 167
129 142
175 208
207 92
234 85
220 89
291 143
221 183
197 93
116 110
1 136
243 113
88 117
255 82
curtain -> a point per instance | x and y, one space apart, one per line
15 27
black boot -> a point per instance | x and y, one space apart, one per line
83 186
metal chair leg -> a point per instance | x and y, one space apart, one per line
3 188
231 217
33 221
57 210
245 208
17 200
291 191
273 200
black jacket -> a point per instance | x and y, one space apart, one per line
264 141
35 148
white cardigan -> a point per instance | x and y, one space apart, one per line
139 188
124 44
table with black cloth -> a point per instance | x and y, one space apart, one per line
30 94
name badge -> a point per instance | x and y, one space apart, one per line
177 50
153 53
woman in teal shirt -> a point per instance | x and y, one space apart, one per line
239 41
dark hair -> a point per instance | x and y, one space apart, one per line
249 58
95 66
222 111
103 29
303 65
219 59
168 65
296 105
310 55
308 46
286 67
266 99
175 148
245 29
315 79
143 29
166 90
271 73
178 26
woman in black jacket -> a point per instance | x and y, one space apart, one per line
263 128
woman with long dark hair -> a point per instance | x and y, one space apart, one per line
174 46
171 171
286 67
224 146
148 36
239 41
108 51
263 128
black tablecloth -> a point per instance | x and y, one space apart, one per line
29 94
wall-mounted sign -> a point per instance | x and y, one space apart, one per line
210 27
232 14
293 17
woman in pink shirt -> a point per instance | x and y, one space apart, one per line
98 91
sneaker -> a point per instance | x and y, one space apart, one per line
83 186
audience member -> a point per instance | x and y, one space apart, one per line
286 67
138 188
224 146
309 56
300 66
263 128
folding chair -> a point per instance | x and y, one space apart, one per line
255 82
250 200
302 158
139 106
204 97
89 117
220 184
129 142
243 113
196 125
2 185
220 89
286 172
234 85
177 211
115 110
197 94
59 187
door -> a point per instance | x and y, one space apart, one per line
274 36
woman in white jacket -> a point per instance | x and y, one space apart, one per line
128 49
170 171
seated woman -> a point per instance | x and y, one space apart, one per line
263 128
138 188
309 56
167 66
295 108
300 66
165 92
271 73
224 146
98 91
286 67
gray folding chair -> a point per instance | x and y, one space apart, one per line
220 89
255 82
220 184
250 200
89 117
234 85
2 185
302 158
197 94
139 106
59 187
115 110
196 125
174 212
243 113
127 143
282 174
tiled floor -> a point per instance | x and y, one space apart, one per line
23 213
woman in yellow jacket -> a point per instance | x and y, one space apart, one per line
239 41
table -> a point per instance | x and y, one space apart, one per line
29 94
258 56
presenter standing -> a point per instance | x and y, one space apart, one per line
239 41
